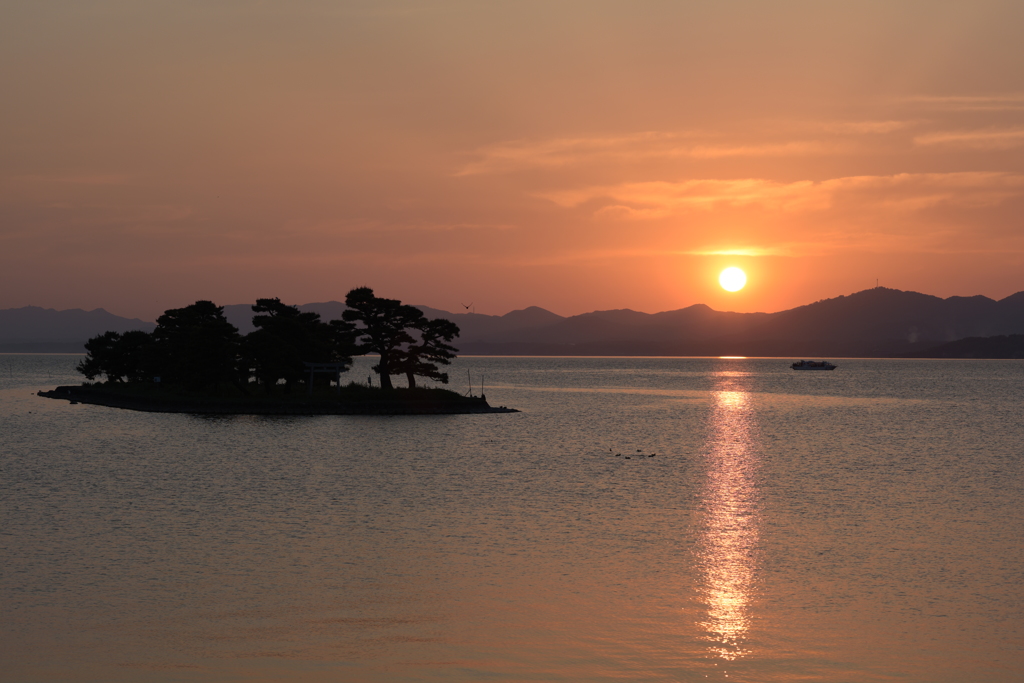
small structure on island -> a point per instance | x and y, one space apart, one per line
330 368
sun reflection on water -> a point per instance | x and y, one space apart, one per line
729 540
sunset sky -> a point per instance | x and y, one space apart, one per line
570 155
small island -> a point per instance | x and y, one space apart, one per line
195 361
354 399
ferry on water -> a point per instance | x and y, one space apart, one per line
813 365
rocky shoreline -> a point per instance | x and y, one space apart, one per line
267 406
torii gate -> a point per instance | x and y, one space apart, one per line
334 368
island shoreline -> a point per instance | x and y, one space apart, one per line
268 406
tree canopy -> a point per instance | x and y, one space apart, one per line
384 327
120 356
285 338
422 356
196 347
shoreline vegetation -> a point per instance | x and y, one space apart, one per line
353 399
292 363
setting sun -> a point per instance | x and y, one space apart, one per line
732 279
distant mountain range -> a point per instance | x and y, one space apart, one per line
44 330
1000 346
876 322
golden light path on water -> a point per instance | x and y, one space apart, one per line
730 532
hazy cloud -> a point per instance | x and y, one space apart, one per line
745 251
831 137
989 139
1007 101
565 152
906 191
865 127
795 148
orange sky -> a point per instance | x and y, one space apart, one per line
571 155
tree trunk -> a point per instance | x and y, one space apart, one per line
384 371
412 380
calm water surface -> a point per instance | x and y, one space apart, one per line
640 520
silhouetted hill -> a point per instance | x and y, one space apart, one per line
477 326
472 325
40 330
874 322
886 315
1001 346
614 328
883 322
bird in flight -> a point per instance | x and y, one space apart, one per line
466 306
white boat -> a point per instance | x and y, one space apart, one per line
813 365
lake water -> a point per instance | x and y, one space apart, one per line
865 524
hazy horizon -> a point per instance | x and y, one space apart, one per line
419 304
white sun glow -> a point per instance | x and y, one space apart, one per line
732 279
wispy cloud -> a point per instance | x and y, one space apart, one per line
615 254
795 148
905 191
920 239
743 251
865 127
805 244
564 152
518 154
1006 101
811 138
990 139
661 198
376 227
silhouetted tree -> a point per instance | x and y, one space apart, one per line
384 324
344 342
196 346
286 338
121 357
100 356
421 357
